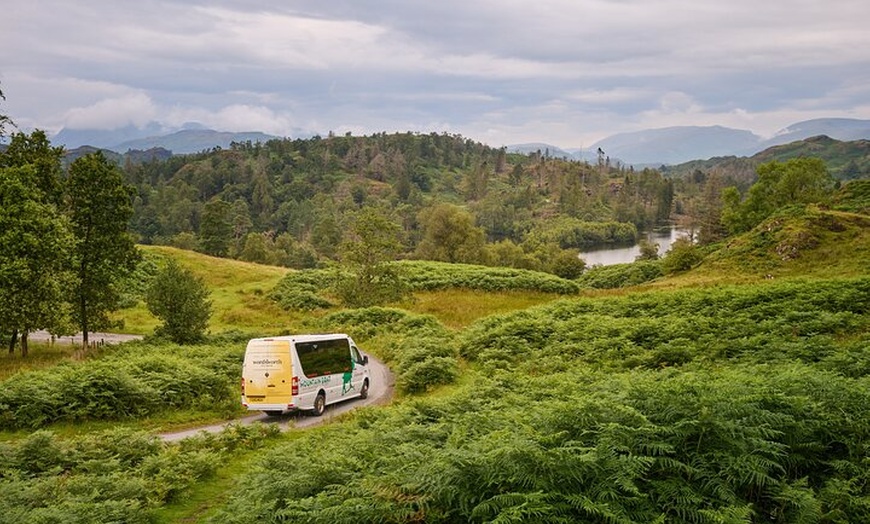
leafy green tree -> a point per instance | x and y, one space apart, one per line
180 300
648 250
36 150
449 235
34 242
241 219
257 247
567 264
710 228
682 256
100 206
370 245
326 233
797 181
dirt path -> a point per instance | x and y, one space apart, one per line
93 337
380 392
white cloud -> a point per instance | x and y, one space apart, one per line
238 117
135 109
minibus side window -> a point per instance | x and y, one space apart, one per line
324 357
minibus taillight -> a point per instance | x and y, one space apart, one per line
295 386
243 385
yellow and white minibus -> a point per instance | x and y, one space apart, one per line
302 372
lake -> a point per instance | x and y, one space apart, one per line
610 256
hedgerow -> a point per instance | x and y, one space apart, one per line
428 276
310 289
621 275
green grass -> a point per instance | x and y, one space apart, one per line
40 356
458 308
238 295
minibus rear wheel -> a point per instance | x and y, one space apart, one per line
319 404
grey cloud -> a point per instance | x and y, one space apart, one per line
552 70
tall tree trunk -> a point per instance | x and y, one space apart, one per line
12 340
83 311
24 344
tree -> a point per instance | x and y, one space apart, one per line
710 228
36 150
180 300
216 228
34 241
567 264
100 206
798 181
4 119
370 245
682 256
648 250
449 235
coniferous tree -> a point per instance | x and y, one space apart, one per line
5 120
216 228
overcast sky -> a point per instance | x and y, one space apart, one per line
565 72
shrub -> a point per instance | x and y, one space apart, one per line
621 275
682 256
306 290
118 475
428 372
138 380
180 300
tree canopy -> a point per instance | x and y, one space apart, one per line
795 182
180 300
100 207
34 242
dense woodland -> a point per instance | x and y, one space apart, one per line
288 201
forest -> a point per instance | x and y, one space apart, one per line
726 381
287 202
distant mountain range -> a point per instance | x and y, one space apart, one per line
652 147
192 139
675 145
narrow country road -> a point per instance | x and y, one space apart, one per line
380 392
93 337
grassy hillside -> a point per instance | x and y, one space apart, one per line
845 160
799 243
736 391
238 292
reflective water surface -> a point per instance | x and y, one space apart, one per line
610 256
